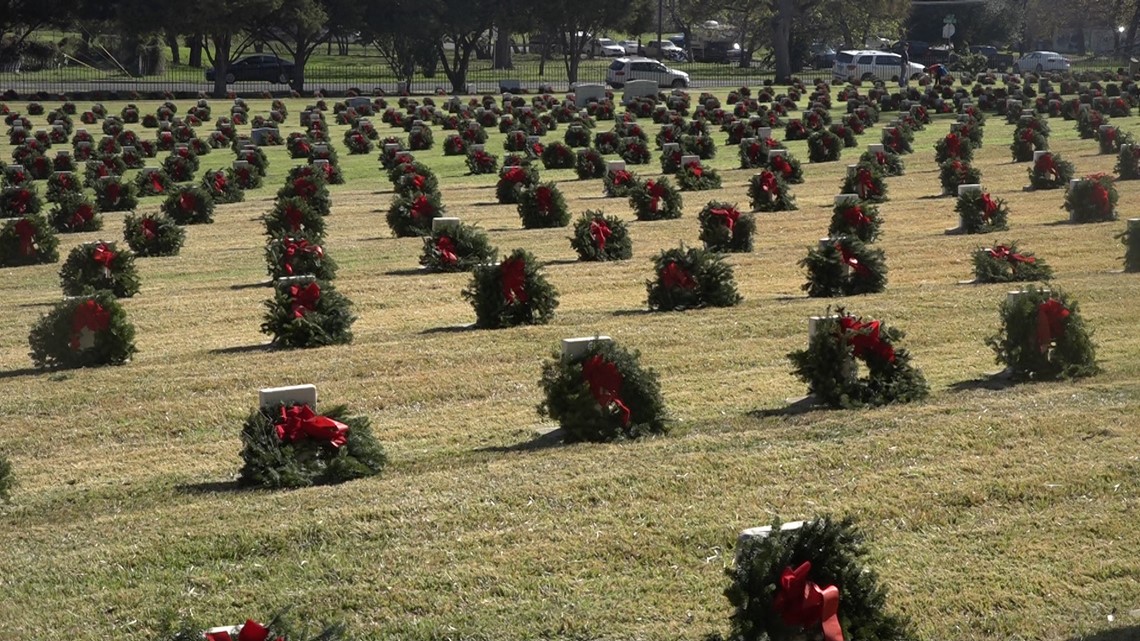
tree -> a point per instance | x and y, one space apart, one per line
299 27
785 13
225 26
396 29
458 24
20 18
577 23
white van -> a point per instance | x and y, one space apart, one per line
871 65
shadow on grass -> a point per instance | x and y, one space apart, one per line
550 439
23 371
489 203
561 261
794 408
242 286
450 329
1131 633
994 382
46 303
213 487
632 312
936 197
417 271
242 349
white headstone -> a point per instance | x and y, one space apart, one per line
638 89
763 133
824 243
765 531
438 224
293 395
588 92
615 165
1073 182
964 190
575 348
358 102
1038 154
772 153
852 170
846 199
670 147
876 148
690 159
260 135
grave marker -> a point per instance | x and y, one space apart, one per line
575 348
271 397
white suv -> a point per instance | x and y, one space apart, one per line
622 70
871 65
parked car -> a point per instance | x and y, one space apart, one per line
624 69
631 47
871 65
606 48
1038 61
822 57
664 49
267 68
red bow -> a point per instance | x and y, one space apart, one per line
187 202
20 202
604 381
656 193
953 145
989 207
803 603
303 148
515 174
545 199
855 217
421 206
293 217
156 182
293 247
1045 165
219 182
89 316
851 260
675 276
304 188
113 192
446 248
304 298
600 231
27 234
754 150
781 165
1027 135
1100 198
866 184
418 181
1110 134
299 422
865 339
103 255
149 228
727 216
695 169
513 274
83 214
1051 317
881 157
621 177
1001 252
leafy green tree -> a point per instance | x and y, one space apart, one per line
298 27
458 25
578 23
228 28
396 29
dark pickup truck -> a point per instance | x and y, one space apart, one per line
922 53
998 61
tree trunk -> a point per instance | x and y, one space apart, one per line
503 58
342 45
1130 36
300 59
195 43
221 64
781 34
175 51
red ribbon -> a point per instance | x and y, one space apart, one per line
293 217
446 248
621 177
155 182
304 187
83 215
851 260
675 276
1045 165
727 216
1027 135
1001 252
855 217
149 228
545 199
304 298
656 193
293 247
418 181
515 174
1110 134
802 603
89 315
219 182
513 274
604 381
600 231
865 338
20 202
301 422
421 206
187 202
113 192
781 165
881 158
866 184
953 145
695 169
989 207
1051 317
27 234
1100 198
103 255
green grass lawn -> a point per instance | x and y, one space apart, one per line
1003 513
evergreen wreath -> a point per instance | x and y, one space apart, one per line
603 396
222 185
357 142
1130 238
20 201
512 181
1089 122
601 237
618 183
1027 140
289 446
1092 199
754 153
867 182
767 191
28 240
670 161
62 185
844 267
298 145
588 163
830 364
99 266
16 176
412 215
180 168
689 279
971 132
824 557
955 172
887 161
82 332
858 219
1110 140
634 151
112 194
454 145
513 292
153 234
155 182
703 146
189 205
420 138
895 139
74 213
418 179
543 206
98 170
306 312
246 177
481 162
787 168
1043 337
308 185
846 134
1051 171
294 255
953 147
980 213
457 249
557 156
515 140
1008 264
695 177
293 216
655 200
724 228
824 146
